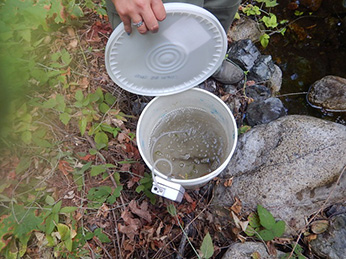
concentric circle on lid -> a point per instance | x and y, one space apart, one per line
188 48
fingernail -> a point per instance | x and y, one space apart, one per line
128 33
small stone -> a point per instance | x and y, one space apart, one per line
265 111
257 92
244 53
263 69
244 28
275 81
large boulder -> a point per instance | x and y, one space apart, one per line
290 166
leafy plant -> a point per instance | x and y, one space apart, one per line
145 185
265 18
264 226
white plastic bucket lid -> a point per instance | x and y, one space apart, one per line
188 48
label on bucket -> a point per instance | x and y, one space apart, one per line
190 142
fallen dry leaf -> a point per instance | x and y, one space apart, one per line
141 211
237 206
188 197
228 182
65 167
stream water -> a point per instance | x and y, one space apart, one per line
313 46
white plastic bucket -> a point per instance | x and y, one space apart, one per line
193 98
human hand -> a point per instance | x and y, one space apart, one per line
135 11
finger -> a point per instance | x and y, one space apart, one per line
127 24
150 21
142 29
159 10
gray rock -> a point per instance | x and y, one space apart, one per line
257 92
263 69
244 53
264 111
245 250
332 243
244 28
329 93
289 166
275 81
229 73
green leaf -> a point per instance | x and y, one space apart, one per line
50 223
66 57
97 169
64 118
79 95
101 139
56 207
264 39
266 234
101 236
82 125
64 231
207 247
26 137
61 105
68 209
266 218
110 99
279 228
172 210
103 107
50 200
254 220
49 104
250 231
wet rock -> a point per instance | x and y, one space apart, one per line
289 166
257 92
261 112
244 28
244 53
329 93
275 81
248 250
263 69
332 243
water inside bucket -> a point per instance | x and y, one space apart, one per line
192 140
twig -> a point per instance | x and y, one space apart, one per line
314 216
117 234
103 248
183 242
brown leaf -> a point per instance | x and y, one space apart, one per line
132 181
131 230
141 211
236 207
103 211
87 157
65 167
228 182
188 197
132 225
250 82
